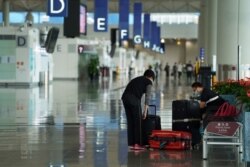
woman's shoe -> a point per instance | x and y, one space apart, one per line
138 147
131 147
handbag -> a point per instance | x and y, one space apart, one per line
227 110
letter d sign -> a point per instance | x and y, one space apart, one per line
57 8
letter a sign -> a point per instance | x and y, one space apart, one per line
57 8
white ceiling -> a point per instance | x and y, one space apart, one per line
149 6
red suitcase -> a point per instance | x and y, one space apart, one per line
170 140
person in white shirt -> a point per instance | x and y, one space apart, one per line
179 69
190 71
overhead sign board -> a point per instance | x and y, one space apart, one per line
146 31
101 16
137 23
124 19
57 8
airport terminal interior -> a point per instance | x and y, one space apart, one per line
73 124
62 78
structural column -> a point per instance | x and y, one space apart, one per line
233 33
6 12
227 39
205 11
227 31
244 38
211 37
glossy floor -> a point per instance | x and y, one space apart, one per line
82 124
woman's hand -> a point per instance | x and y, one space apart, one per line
145 112
144 115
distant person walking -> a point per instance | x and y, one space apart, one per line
157 70
190 71
197 69
166 69
174 70
179 69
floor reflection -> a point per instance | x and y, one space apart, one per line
73 124
154 158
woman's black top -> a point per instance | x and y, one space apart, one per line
136 88
211 98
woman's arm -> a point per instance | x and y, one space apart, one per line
147 99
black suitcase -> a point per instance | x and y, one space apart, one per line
179 109
193 109
152 122
185 109
186 117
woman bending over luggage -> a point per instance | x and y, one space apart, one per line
209 100
131 99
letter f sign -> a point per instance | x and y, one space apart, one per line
58 8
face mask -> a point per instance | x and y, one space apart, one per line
196 93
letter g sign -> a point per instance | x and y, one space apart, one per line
57 8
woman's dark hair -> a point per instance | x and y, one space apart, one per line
149 73
196 84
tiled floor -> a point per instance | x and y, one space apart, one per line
82 124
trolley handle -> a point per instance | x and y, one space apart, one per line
152 106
